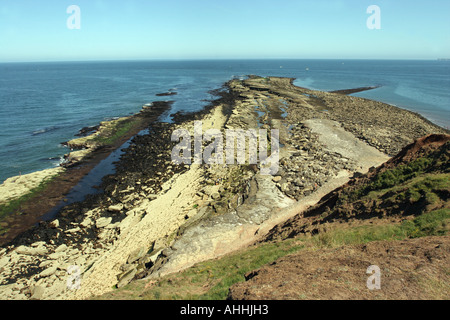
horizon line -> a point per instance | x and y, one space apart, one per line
218 59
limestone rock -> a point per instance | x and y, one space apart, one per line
56 255
61 248
54 223
276 178
31 251
4 261
215 196
116 208
86 222
136 255
103 222
37 293
152 196
74 230
125 278
48 272
45 263
38 244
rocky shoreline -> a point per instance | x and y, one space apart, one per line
86 153
155 217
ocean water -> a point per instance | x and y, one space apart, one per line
44 104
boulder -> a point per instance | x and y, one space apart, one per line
4 261
56 255
54 223
136 255
48 272
103 222
86 222
116 208
31 251
126 277
74 230
276 179
38 244
61 248
215 196
37 293
45 263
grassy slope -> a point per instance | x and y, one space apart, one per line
212 279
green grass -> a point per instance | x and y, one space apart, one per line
400 174
429 187
431 164
232 269
110 137
435 223
425 193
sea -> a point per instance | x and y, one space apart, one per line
47 103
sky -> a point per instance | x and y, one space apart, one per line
37 30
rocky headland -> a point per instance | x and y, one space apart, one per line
156 218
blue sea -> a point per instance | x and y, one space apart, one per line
44 104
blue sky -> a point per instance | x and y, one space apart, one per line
33 30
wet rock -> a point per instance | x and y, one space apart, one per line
86 222
73 230
38 244
54 223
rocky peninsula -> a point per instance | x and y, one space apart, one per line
154 217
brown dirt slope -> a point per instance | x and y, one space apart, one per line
411 269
